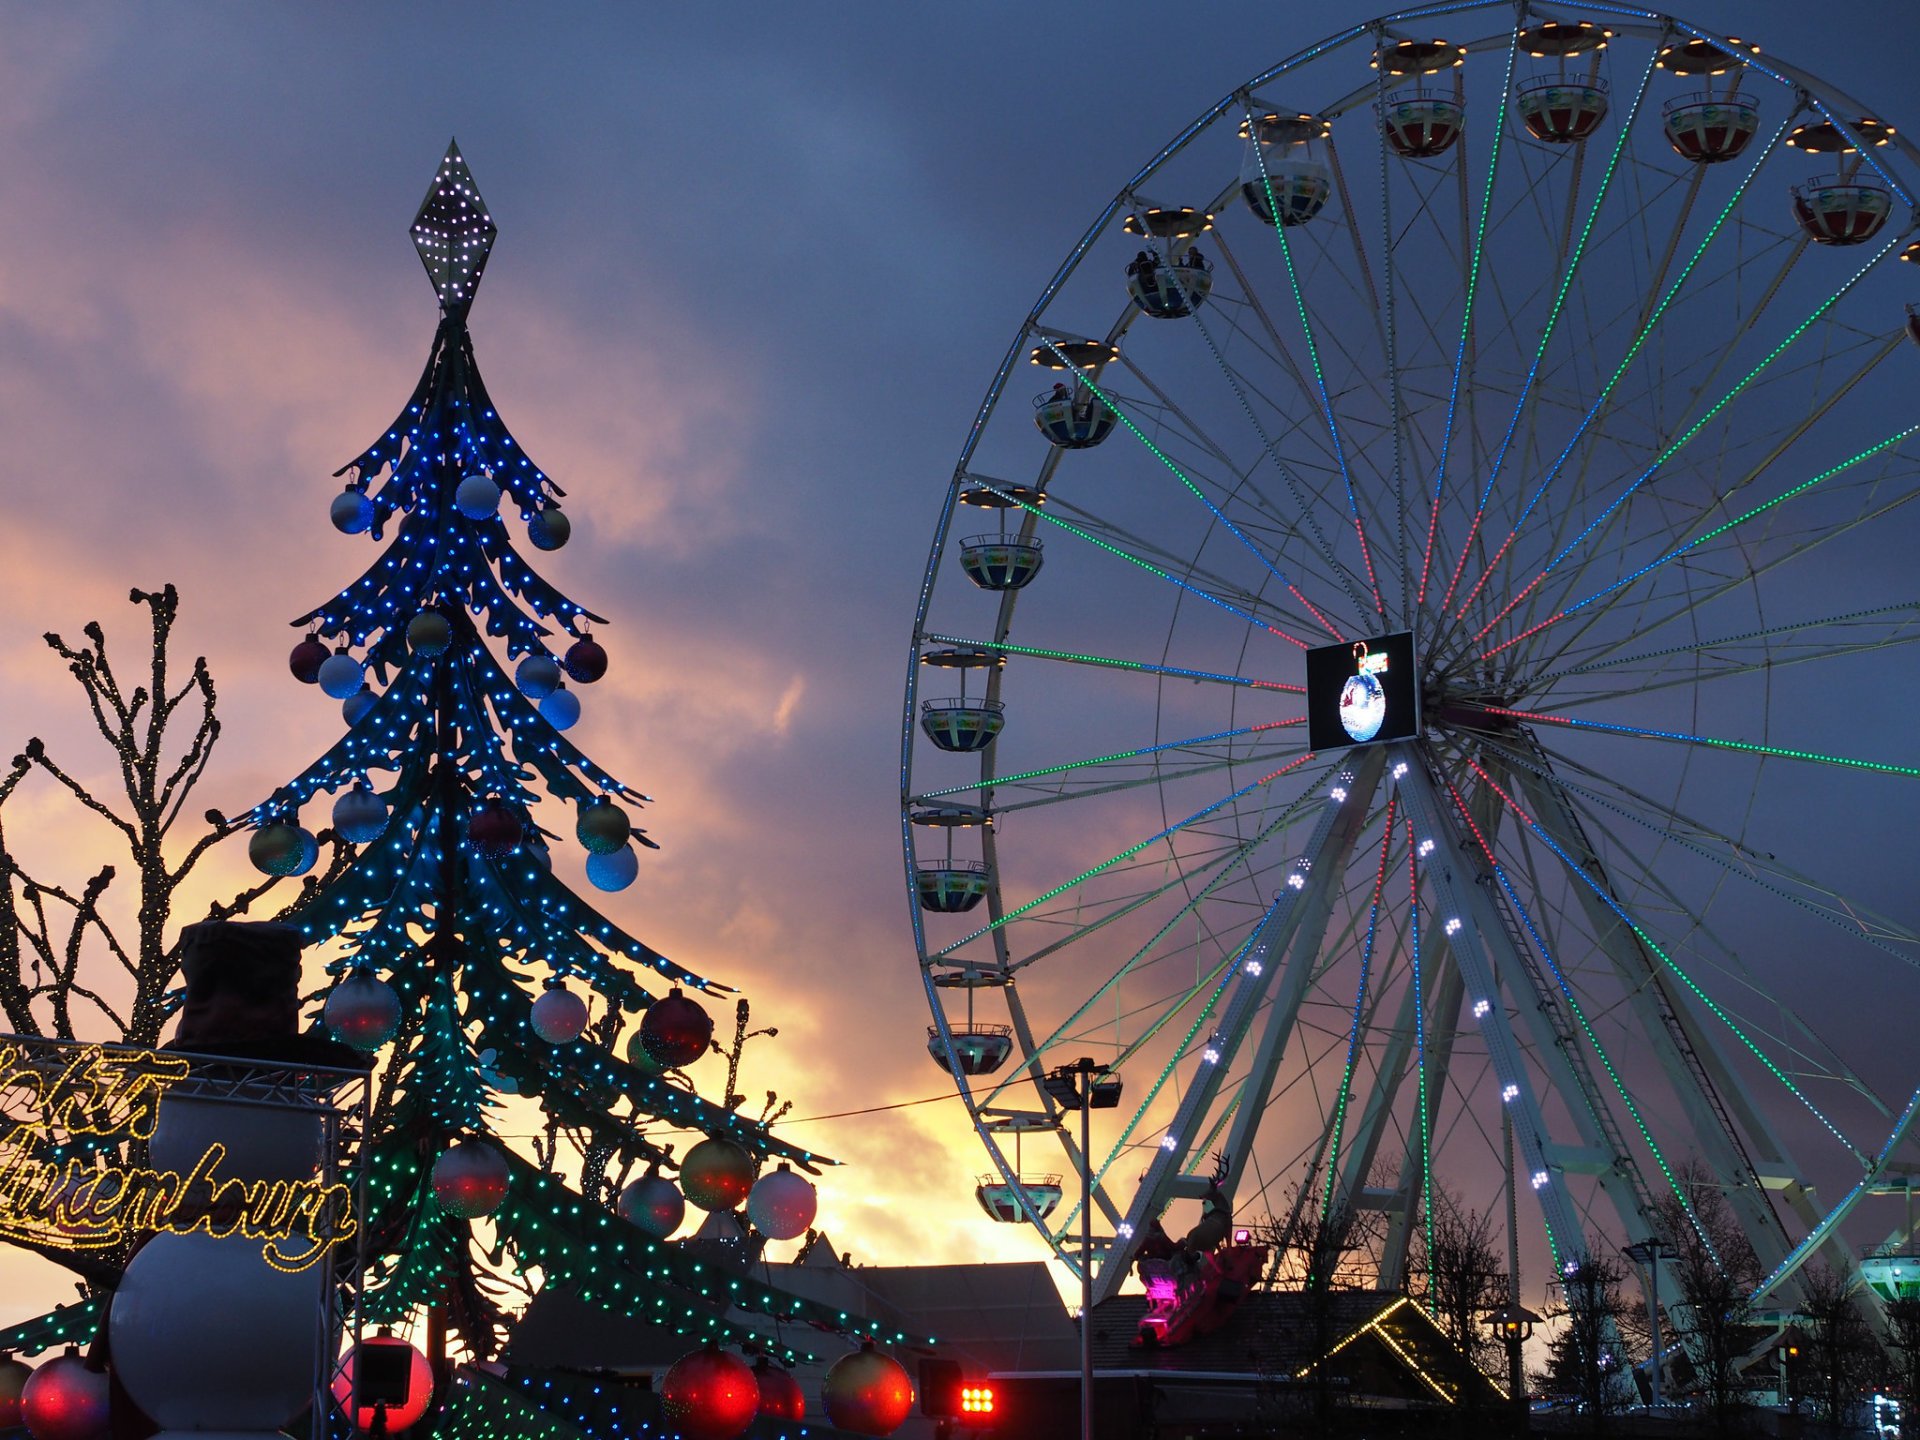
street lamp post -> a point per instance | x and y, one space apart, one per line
1648 1252
1086 1086
1512 1326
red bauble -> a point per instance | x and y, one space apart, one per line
717 1174
307 658
64 1400
710 1394
495 828
675 1031
867 1392
14 1375
585 660
471 1179
780 1395
419 1385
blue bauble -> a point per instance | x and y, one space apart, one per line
477 498
352 511
561 709
356 705
616 871
359 815
549 529
341 675
538 676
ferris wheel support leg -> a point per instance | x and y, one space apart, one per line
1258 978
1364 1140
1443 1022
1717 1107
1463 912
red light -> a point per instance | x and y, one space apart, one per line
976 1399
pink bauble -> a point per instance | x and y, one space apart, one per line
495 828
782 1204
710 1394
780 1394
419 1385
652 1203
559 1016
675 1031
585 660
307 658
867 1392
471 1179
64 1400
362 1011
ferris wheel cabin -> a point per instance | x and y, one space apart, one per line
1280 174
1419 121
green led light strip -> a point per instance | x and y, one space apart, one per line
1038 652
1749 746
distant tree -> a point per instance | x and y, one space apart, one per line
1717 1270
1587 1357
65 964
1458 1275
1839 1353
1903 1327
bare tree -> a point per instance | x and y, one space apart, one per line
1903 1334
1840 1352
1458 1274
1585 1357
1717 1270
59 947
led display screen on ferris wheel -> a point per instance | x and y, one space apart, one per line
1362 692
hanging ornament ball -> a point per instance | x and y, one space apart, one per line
616 871
867 1392
675 1031
429 633
549 529
717 1174
306 659
603 827
780 1394
14 1375
477 498
64 1400
309 850
495 828
561 709
275 848
470 1180
652 1203
782 1204
585 660
559 1016
419 1385
341 675
637 1055
710 1394
362 1011
355 707
538 676
352 511
359 815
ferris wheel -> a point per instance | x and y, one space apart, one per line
1403 670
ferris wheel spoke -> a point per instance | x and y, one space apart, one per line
1569 272
1165 775
1679 443
1192 742
1105 662
1603 401
1607 898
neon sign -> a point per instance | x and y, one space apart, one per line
56 1199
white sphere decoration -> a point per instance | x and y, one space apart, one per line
477 498
341 675
561 709
355 707
782 1204
616 871
362 1011
359 815
538 676
429 633
559 1016
351 512
655 1204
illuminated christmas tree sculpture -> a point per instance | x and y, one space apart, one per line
463 960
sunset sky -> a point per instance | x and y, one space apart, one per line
755 268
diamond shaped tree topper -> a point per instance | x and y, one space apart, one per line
454 233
